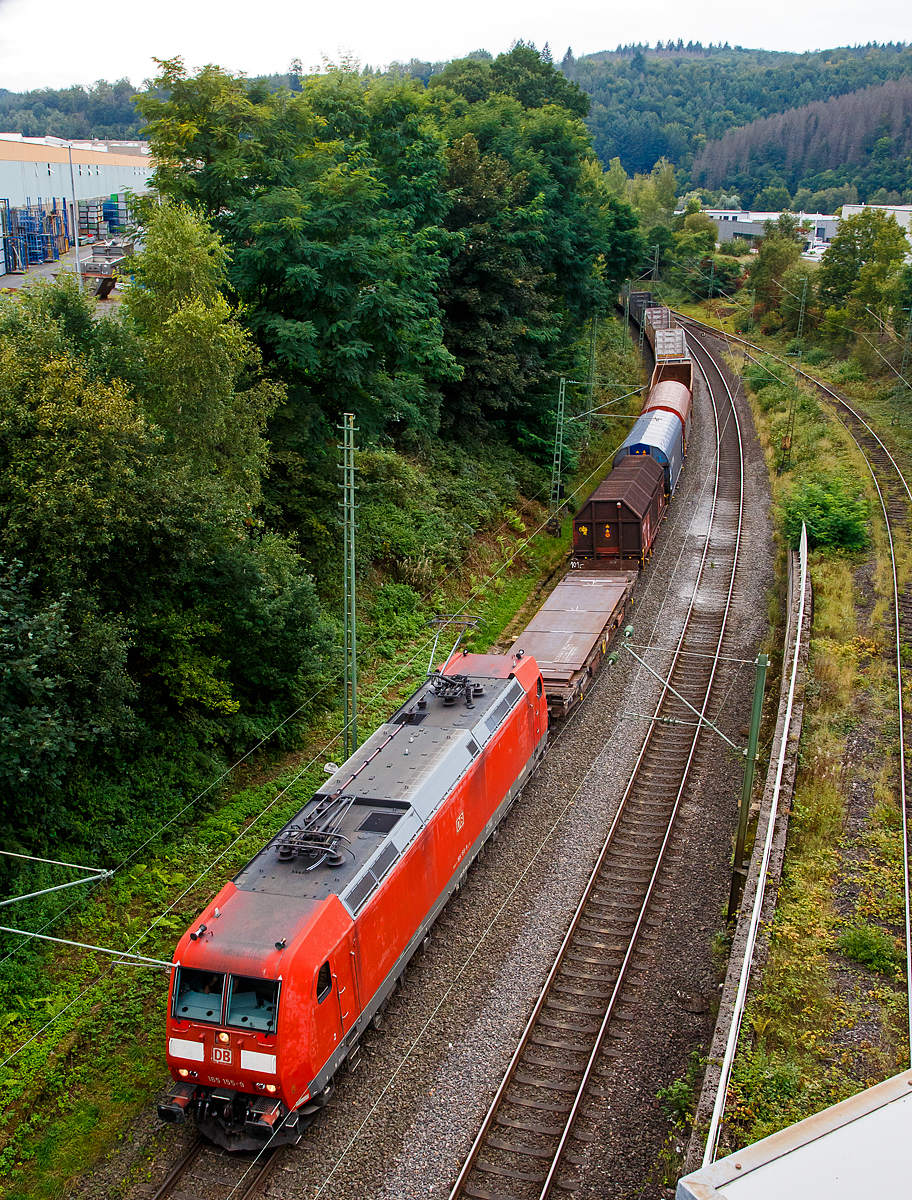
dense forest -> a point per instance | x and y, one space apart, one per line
863 139
427 259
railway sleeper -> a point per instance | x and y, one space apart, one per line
508 1173
515 1148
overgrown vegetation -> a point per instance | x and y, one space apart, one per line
827 1017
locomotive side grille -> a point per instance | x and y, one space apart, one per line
384 861
359 894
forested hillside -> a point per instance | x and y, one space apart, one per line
640 104
169 534
104 110
646 104
863 140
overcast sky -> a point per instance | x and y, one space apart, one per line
52 43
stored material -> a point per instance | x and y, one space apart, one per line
656 319
279 976
621 518
660 435
668 344
639 302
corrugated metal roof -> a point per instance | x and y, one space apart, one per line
632 482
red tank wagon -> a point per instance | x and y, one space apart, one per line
277 980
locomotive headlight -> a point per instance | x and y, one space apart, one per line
260 1085
270 1087
223 1037
182 1071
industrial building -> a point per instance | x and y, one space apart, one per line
49 188
902 213
734 223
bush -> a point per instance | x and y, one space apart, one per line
816 357
762 374
836 517
872 947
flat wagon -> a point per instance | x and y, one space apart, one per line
571 632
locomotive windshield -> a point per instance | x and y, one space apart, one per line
252 1003
198 995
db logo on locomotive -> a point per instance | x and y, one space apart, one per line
221 1056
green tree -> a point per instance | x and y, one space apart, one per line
616 180
152 624
499 320
202 365
774 198
863 259
777 254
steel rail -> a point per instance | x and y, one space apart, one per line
193 1152
609 842
840 402
177 1172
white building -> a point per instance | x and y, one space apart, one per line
733 223
902 213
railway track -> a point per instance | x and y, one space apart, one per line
206 1173
533 1139
895 498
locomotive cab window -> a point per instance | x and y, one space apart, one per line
198 995
252 1004
324 983
538 686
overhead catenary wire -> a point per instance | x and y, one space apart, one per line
616 733
907 903
27 935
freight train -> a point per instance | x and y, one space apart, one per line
619 521
275 982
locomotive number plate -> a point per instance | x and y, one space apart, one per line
220 1055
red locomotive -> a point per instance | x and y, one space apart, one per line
276 982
